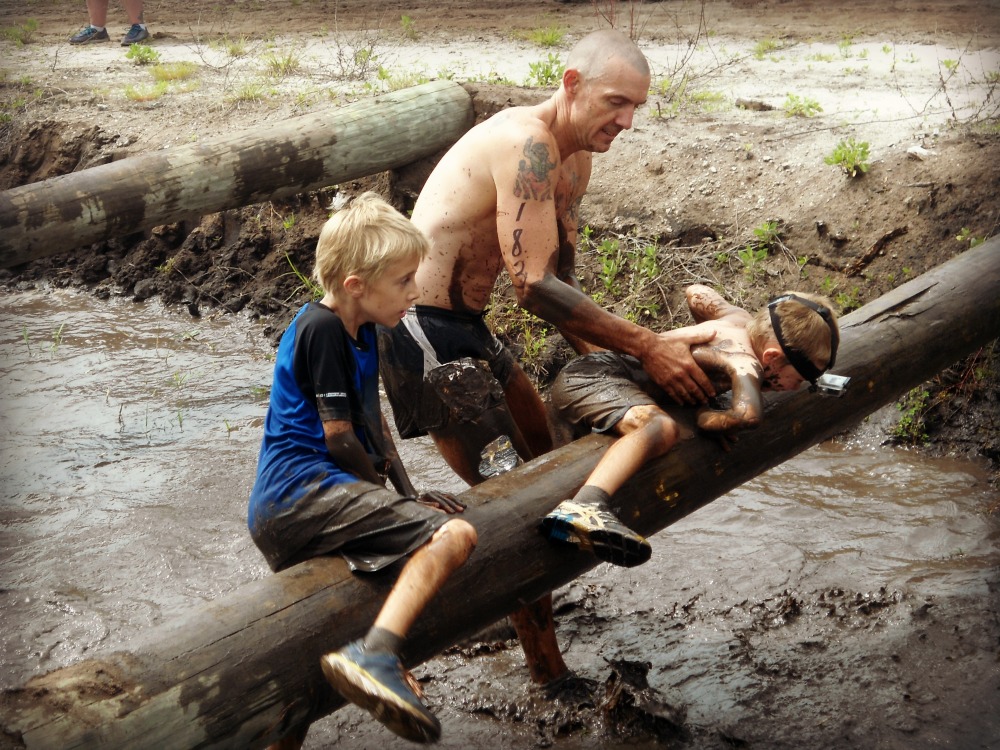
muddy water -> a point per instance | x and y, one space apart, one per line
127 450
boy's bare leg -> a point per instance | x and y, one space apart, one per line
424 574
647 432
368 671
586 521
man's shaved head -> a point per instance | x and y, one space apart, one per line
591 54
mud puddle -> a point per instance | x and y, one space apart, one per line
847 598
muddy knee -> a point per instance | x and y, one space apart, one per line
459 535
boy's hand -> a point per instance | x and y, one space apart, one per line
442 500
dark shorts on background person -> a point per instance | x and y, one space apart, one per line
594 391
426 339
371 527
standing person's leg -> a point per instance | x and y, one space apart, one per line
137 31
459 444
133 9
98 12
368 672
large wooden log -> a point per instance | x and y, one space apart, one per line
293 156
242 670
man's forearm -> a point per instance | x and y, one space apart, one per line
584 323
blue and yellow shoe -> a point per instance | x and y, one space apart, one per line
594 528
378 683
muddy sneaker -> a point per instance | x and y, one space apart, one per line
378 683
594 528
89 34
135 35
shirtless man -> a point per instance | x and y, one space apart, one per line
507 196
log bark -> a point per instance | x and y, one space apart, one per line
243 670
293 156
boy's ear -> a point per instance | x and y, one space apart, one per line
354 286
772 352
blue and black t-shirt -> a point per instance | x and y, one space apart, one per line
320 373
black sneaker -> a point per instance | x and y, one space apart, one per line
594 528
89 34
134 35
378 683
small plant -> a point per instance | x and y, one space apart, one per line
887 49
767 234
610 255
142 54
796 106
752 259
250 93
57 336
280 65
844 46
314 289
851 156
146 93
232 47
175 71
848 300
551 36
765 47
288 222
22 33
409 28
179 378
801 262
911 429
26 338
950 65
966 236
546 72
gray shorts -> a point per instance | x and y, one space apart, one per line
593 392
421 405
371 527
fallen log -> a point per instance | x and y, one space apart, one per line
241 671
291 157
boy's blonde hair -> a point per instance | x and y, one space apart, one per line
363 240
802 328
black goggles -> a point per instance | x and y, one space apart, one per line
796 358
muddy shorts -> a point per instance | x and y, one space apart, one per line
594 391
426 339
369 526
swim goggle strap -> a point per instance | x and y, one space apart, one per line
796 358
